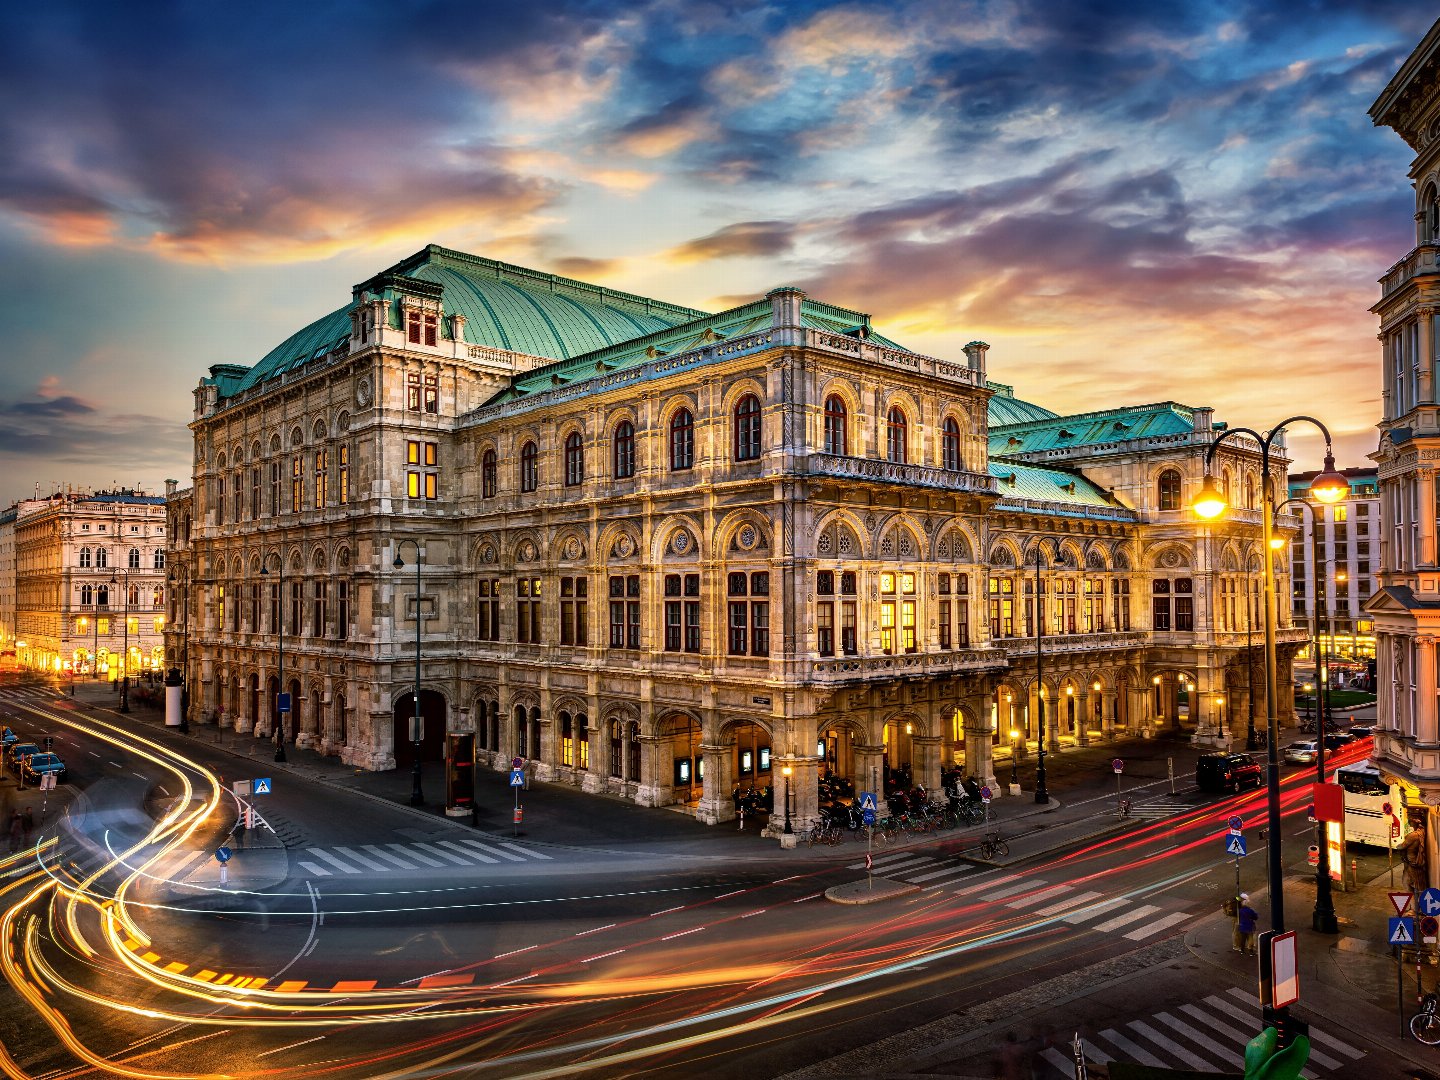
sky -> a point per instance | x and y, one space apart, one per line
1130 202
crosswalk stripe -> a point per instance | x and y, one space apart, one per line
1011 890
984 884
175 870
1145 1031
1217 1024
490 850
1094 911
1040 897
894 862
944 871
1227 1056
1056 1058
410 853
1128 917
344 867
1317 1056
1068 903
1130 1050
1156 926
363 860
439 854
883 859
466 851
314 868
524 851
401 863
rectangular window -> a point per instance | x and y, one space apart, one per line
738 623
297 476
343 491
412 381
297 599
887 627
625 612
255 493
220 604
1120 604
527 611
102 626
133 622
321 612
488 624
908 639
322 479
573 610
274 488
274 617
944 623
253 615
825 628
432 391
418 484
342 609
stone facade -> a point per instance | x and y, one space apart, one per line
663 552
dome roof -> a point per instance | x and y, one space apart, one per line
1006 408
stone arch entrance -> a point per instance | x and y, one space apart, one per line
682 763
432 720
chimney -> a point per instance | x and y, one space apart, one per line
975 356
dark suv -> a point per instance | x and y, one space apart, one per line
1227 772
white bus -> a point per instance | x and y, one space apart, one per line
1366 821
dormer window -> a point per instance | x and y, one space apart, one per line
421 327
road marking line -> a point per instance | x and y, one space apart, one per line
467 852
411 854
1011 890
491 850
792 877
1068 904
1091 912
314 868
142 776
439 854
602 956
1129 1049
985 884
667 911
802 899
1040 897
758 911
92 753
1315 1036
682 933
375 850
175 869
948 871
1145 1031
1217 1024
529 854
512 982
514 952
343 867
1128 917
292 1046
726 896
596 929
1158 925
351 853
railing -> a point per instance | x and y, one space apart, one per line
893 472
1072 643
1424 259
847 668
895 358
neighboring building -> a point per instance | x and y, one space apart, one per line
1349 559
7 586
75 555
1406 608
665 551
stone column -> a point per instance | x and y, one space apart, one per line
869 763
1427 730
1426 387
716 804
926 764
1082 716
1108 704
979 760
804 783
1426 479
1137 722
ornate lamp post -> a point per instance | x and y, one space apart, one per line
178 581
125 655
279 654
1014 765
788 828
1328 487
417 731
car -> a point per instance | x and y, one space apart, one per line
16 754
1362 731
1301 753
1222 771
1334 740
37 765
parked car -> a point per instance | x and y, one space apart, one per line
1301 753
1227 772
37 765
16 754
1336 739
1362 731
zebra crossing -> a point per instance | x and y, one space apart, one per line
1064 902
1208 1035
414 856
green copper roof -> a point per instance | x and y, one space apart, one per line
1090 429
1006 408
505 307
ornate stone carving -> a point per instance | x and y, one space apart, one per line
364 391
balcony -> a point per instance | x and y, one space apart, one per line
880 355
854 468
855 669
1070 644
1423 261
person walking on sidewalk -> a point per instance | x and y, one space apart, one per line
1246 917
1413 853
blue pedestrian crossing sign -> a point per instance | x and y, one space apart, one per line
261 787
222 854
1430 902
1402 930
867 801
517 777
1235 844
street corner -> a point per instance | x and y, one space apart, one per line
870 891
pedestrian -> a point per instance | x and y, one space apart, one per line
1246 917
1416 857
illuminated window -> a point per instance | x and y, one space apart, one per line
420 481
343 493
297 478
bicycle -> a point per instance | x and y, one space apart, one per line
1425 1025
992 846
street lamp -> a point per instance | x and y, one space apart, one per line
1041 795
1328 487
178 581
1322 918
416 731
125 655
1014 745
788 828
280 696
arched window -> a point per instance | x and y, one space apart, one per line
102 558
682 440
624 450
85 556
950 445
529 467
102 595
1430 222
87 595
158 561
133 562
747 428
897 436
158 598
1225 485
1250 493
133 596
1169 490
836 437
574 459
487 474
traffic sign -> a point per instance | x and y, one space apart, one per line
516 763
1386 808
1235 823
1400 901
1312 855
222 854
517 777
1428 927
867 801
986 794
1118 765
1402 931
262 786
868 816
282 703
1235 844
1430 902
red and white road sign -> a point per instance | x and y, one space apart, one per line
1400 901
870 862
